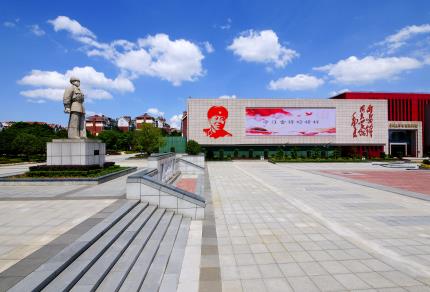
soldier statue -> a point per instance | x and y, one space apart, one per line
73 100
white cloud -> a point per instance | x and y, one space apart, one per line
228 96
173 60
208 47
340 91
155 112
36 30
89 77
227 25
92 113
262 47
98 94
9 24
53 94
399 39
51 84
295 83
175 121
44 78
369 69
70 25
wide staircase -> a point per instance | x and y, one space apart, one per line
139 247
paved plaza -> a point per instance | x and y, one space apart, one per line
268 227
284 228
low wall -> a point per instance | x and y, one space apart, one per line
165 163
195 159
145 186
185 166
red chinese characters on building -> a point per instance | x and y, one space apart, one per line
362 123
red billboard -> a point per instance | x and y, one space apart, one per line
281 121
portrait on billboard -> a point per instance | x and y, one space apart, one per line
217 117
282 121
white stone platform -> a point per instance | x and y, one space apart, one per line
76 152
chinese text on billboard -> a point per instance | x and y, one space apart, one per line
290 121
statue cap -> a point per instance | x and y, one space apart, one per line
73 78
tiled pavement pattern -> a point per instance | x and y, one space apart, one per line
284 229
410 180
187 183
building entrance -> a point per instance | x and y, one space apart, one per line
403 143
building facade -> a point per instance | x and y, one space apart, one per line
260 126
97 124
125 124
408 120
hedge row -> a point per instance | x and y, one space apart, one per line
73 173
61 168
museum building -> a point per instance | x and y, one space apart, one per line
351 124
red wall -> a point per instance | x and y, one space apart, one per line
401 107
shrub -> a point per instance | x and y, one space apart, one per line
426 161
382 155
193 148
148 139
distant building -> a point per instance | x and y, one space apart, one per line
160 122
7 124
184 124
125 124
97 124
144 119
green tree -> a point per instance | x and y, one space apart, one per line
147 139
42 132
28 144
193 148
110 138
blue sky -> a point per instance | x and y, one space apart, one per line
139 56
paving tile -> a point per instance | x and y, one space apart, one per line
277 285
232 286
356 266
270 271
301 256
253 285
400 279
313 269
375 280
334 267
377 265
351 281
249 272
302 284
245 259
264 258
230 273
327 283
292 270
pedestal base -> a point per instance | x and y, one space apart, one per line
76 152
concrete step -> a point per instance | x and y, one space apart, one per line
131 250
158 266
67 278
39 278
117 275
93 277
174 267
138 272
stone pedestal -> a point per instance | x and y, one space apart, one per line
76 152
